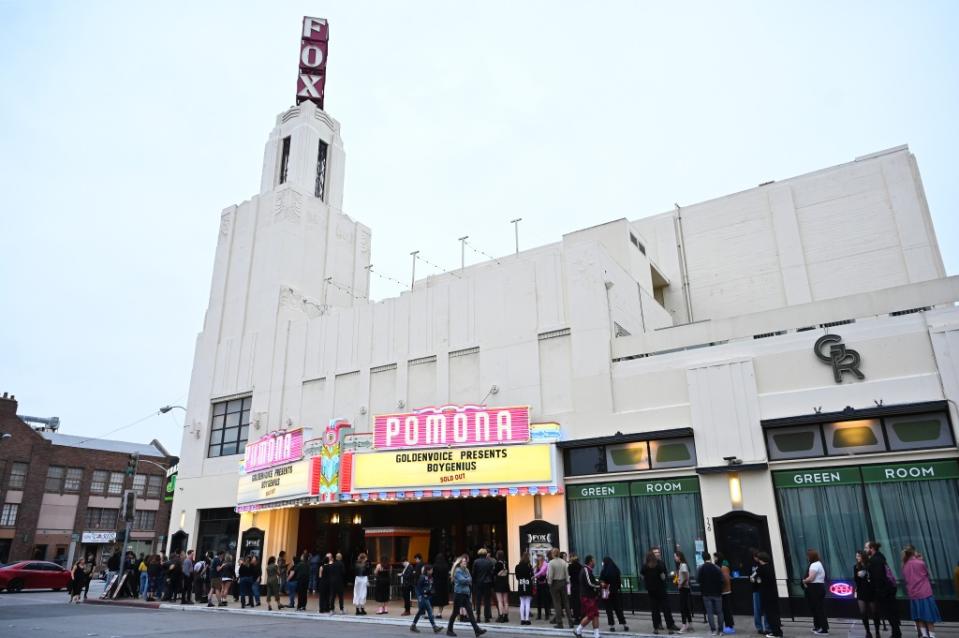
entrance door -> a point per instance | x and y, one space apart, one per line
738 534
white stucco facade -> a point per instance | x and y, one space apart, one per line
703 317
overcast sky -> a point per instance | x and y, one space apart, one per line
125 128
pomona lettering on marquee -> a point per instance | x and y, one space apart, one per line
452 426
314 46
275 448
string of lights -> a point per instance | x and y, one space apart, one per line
443 270
386 277
480 252
345 289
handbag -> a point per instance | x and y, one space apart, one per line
604 592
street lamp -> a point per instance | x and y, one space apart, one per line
167 408
4 436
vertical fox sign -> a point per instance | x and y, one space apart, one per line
314 46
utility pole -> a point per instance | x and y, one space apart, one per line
515 223
463 251
413 278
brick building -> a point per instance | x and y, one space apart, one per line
61 495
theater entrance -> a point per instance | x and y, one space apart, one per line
400 529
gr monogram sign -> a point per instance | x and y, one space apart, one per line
831 350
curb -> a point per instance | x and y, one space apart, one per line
136 604
396 622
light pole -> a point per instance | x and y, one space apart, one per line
167 408
515 223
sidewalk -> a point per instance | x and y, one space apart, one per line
640 623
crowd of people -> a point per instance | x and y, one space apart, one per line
563 588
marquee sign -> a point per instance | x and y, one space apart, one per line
314 46
275 483
452 426
272 449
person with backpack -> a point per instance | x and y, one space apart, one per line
922 604
423 590
884 585
815 584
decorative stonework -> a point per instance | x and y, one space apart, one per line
226 222
288 206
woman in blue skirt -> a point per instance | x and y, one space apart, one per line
922 605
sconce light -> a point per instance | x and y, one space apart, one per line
357 519
735 490
182 518
401 404
335 519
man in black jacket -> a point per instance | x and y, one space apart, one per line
710 579
765 580
884 585
483 582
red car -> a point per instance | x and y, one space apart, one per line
33 574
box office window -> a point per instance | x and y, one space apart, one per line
835 509
663 512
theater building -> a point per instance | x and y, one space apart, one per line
775 368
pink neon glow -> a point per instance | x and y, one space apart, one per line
451 426
275 448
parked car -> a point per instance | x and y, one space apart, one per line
33 574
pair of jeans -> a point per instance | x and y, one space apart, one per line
816 596
484 600
714 607
425 607
685 606
659 603
759 618
144 585
462 601
291 591
255 586
246 591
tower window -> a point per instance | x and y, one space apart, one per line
321 171
284 159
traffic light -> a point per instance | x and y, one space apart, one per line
132 461
129 506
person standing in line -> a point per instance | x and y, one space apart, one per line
501 586
272 583
524 587
575 568
143 569
323 583
884 585
153 577
557 575
361 582
381 585
291 582
483 585
768 593
654 576
423 589
113 566
759 618
815 584
612 581
407 584
462 584
337 582
227 578
922 604
316 561
302 576
186 570
256 573
199 578
441 584
284 568
216 580
729 623
245 583
589 589
865 596
541 587
685 600
710 579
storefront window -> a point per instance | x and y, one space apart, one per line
663 513
834 510
585 460
918 431
854 437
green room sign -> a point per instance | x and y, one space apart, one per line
598 490
818 476
919 471
658 487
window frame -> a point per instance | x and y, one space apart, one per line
104 482
229 427
5 514
73 475
322 171
154 480
283 173
110 484
139 490
139 522
56 487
